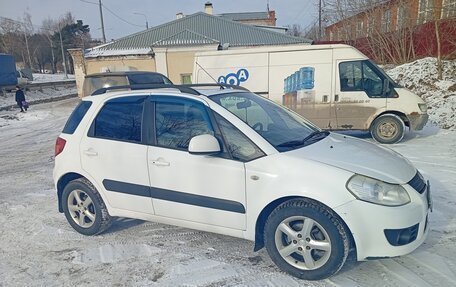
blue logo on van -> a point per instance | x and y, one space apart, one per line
234 78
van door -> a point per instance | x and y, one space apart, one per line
359 94
301 81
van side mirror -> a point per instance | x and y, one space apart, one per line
204 145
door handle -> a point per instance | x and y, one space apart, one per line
90 152
159 162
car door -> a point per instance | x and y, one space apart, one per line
114 154
359 94
199 188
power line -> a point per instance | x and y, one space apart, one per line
120 18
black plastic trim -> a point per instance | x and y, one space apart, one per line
174 196
128 188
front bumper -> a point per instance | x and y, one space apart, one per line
368 223
417 121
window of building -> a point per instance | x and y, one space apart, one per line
186 79
448 9
425 11
178 121
120 119
402 16
386 21
360 29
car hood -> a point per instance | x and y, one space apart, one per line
360 157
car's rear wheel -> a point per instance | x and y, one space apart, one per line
84 208
306 239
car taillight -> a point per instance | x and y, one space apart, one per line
59 145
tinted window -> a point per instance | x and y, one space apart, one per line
136 79
76 117
177 122
120 119
240 147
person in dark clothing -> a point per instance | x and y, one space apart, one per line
20 98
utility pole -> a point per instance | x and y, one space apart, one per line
102 23
319 20
28 50
145 17
63 53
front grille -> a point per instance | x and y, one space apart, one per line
418 183
399 237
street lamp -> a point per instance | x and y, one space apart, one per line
145 17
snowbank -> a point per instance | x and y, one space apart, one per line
420 77
42 78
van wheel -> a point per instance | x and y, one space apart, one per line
306 239
388 129
84 208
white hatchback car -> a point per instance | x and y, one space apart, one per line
232 162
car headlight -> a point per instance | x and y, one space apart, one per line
423 107
376 191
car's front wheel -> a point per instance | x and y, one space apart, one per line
84 208
306 239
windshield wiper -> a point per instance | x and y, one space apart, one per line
315 136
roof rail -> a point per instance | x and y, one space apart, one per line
220 85
183 89
189 88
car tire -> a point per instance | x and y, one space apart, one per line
388 129
84 208
306 239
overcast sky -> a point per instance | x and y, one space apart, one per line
301 12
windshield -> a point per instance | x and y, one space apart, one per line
281 127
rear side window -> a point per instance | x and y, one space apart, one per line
76 117
120 119
137 79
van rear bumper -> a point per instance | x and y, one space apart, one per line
417 121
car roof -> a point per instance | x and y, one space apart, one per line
123 73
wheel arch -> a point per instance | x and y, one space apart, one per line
400 114
63 181
264 214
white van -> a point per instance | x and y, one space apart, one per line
335 86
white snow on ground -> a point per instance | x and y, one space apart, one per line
41 78
420 77
39 248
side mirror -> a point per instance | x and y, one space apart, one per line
204 145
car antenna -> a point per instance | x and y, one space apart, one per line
206 72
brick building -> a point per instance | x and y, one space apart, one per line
400 30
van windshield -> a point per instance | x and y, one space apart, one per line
281 127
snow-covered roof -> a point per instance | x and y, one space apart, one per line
93 53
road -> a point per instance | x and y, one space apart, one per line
39 248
